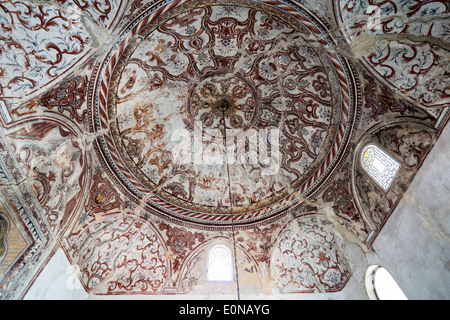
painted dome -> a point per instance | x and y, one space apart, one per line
217 113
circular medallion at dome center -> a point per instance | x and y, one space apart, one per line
223 100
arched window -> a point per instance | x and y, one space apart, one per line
220 264
380 166
380 285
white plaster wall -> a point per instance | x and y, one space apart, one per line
414 244
58 281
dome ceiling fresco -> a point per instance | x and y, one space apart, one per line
136 135
173 75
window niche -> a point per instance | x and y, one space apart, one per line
220 264
381 167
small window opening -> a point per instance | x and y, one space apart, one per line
380 166
380 285
220 265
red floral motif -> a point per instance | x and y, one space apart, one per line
180 241
120 255
339 194
102 8
260 242
380 103
411 147
44 58
416 69
308 258
68 96
103 196
239 95
55 167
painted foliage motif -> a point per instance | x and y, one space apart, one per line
419 70
55 163
181 242
120 255
69 97
38 43
308 257
104 11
